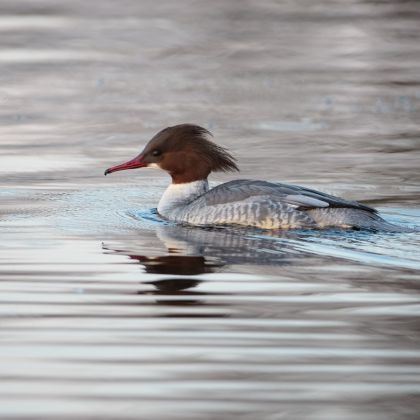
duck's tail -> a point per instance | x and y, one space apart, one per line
384 226
361 219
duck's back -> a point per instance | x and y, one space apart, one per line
272 206
294 195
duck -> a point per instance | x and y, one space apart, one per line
189 155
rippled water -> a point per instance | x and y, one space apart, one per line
107 312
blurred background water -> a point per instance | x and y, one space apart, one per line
109 313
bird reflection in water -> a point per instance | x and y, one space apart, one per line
193 251
181 265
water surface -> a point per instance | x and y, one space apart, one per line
108 312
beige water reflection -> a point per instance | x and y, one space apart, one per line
106 312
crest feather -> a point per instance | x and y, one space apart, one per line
197 139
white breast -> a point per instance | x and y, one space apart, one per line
177 196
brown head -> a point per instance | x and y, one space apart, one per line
185 152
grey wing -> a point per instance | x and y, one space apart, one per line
293 195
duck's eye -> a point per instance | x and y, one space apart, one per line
156 152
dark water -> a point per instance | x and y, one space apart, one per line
109 313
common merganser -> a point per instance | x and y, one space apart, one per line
186 152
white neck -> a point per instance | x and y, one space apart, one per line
180 195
